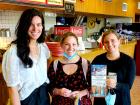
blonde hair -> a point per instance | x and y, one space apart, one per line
67 34
110 32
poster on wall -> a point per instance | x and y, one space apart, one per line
59 3
69 8
52 3
36 2
71 1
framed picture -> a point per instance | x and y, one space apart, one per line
53 3
35 2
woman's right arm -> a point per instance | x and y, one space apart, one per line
10 70
14 96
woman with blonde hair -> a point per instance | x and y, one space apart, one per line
118 63
69 79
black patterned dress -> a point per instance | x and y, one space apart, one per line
74 82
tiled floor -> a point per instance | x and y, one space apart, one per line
135 92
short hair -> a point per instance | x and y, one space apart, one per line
67 34
110 32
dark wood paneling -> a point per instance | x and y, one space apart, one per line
138 58
3 91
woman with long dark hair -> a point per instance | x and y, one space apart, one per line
24 64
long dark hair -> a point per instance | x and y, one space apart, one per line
23 38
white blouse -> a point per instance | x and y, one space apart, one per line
25 79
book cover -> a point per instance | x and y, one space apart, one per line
98 80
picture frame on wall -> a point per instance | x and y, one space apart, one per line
47 3
55 3
31 2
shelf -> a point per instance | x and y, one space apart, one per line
22 7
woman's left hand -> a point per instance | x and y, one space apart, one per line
111 83
79 94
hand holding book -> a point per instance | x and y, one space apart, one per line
98 80
111 83
111 80
101 82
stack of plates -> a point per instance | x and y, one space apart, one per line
55 48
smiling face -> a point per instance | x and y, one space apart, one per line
111 43
70 45
35 28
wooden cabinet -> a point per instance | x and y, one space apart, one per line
21 7
99 7
113 8
37 2
137 10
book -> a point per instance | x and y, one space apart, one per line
98 80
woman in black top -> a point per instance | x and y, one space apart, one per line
119 63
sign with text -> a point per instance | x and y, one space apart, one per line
60 30
71 1
69 8
52 3
55 2
42 2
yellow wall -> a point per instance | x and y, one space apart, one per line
137 11
128 49
113 8
107 8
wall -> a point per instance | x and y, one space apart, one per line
9 19
112 21
113 8
101 7
137 9
97 27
